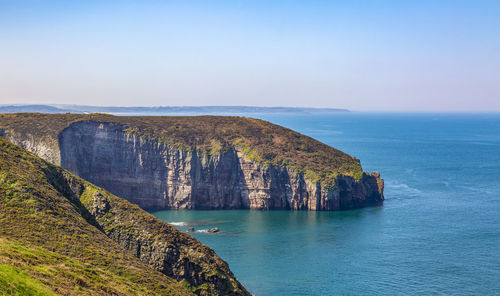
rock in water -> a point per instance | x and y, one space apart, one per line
213 230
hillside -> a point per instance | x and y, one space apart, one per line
61 235
261 141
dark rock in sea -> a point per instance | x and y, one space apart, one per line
191 229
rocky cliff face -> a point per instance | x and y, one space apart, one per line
155 175
204 162
44 147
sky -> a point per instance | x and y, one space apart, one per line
378 55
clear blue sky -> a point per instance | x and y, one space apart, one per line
362 55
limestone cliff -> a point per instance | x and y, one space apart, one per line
198 162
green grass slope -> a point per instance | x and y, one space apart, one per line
51 245
260 140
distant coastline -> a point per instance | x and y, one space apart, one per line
159 110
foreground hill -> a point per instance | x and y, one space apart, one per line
61 235
202 162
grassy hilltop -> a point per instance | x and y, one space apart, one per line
260 140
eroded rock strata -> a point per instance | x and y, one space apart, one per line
154 172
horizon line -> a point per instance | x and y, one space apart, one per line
340 110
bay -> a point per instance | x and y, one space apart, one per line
437 233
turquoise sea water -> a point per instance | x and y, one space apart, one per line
438 232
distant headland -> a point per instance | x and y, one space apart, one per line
198 162
164 109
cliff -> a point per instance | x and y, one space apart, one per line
61 235
202 162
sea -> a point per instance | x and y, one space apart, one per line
437 232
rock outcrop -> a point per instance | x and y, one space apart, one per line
155 172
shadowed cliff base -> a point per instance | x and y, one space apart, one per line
202 162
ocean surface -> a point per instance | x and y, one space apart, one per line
437 233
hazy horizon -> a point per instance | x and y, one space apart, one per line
375 56
263 106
